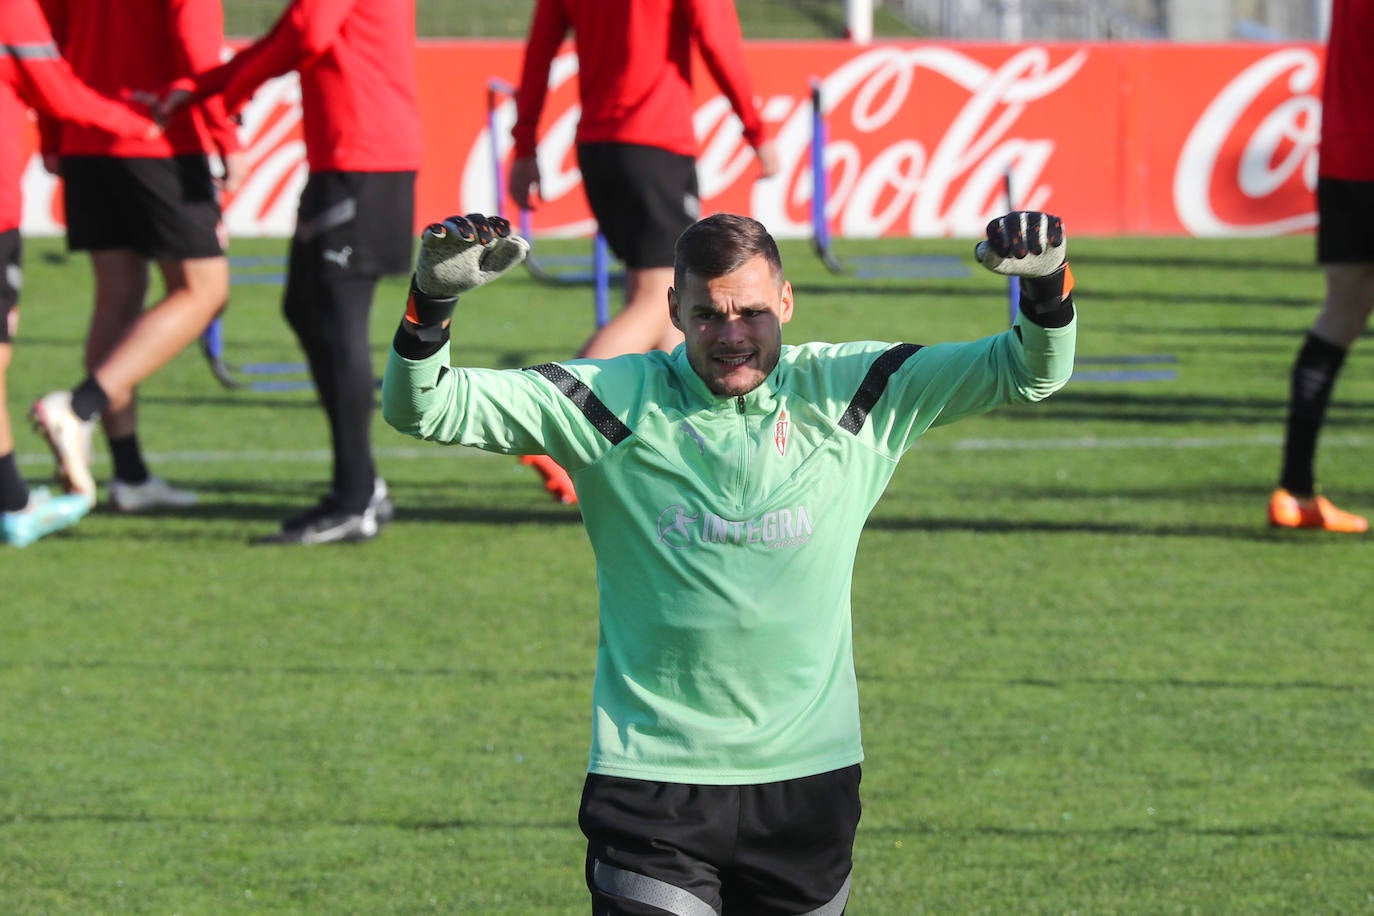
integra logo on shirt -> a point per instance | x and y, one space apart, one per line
679 528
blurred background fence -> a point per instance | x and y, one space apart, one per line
1012 20
798 19
1177 20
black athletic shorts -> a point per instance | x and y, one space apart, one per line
11 277
1343 209
361 223
163 208
642 197
774 849
349 225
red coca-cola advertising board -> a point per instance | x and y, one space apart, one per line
922 139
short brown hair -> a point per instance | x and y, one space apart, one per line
723 243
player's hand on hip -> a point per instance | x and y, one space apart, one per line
1023 243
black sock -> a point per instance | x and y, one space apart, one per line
1314 375
14 493
89 400
128 459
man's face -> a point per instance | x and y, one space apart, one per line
733 325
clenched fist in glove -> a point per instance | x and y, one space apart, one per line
1030 245
457 255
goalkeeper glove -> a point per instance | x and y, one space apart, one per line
457 255
1030 246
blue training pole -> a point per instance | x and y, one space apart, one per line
212 338
1013 284
601 271
496 88
601 255
820 230
818 195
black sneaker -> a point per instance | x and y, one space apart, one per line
326 523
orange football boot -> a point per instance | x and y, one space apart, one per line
556 480
1289 511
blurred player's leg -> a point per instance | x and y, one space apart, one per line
352 228
1345 312
26 514
643 323
643 198
128 213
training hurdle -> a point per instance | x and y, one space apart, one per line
863 267
574 271
1127 368
265 377
212 338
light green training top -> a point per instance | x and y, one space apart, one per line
725 529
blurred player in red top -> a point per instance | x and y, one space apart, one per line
1345 249
356 220
132 202
33 73
636 146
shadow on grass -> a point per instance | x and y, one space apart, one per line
1165 828
292 399
1173 682
1201 263
505 505
269 502
463 674
1082 293
487 517
427 825
1079 402
1231 532
271 516
419 825
1187 298
1291 333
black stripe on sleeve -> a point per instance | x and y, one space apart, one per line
597 413
873 386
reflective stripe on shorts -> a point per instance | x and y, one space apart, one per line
642 889
837 903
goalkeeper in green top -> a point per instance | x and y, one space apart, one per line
724 487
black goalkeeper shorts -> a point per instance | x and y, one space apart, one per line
773 849
642 197
1343 209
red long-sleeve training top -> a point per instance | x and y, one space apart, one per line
33 73
1347 135
356 60
120 47
635 69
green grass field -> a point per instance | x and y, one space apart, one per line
1093 680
